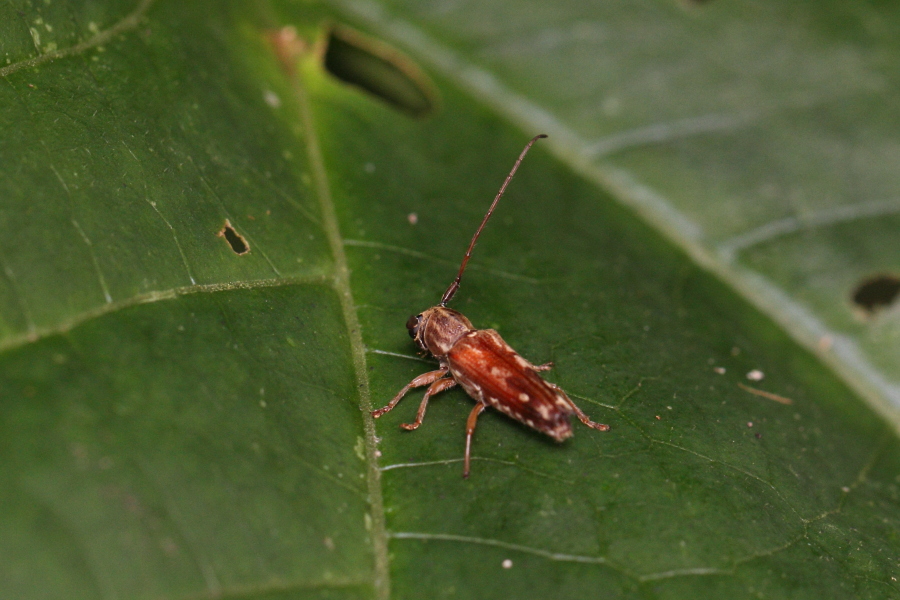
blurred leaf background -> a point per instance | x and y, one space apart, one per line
181 420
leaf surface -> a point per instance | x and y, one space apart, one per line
181 420
758 137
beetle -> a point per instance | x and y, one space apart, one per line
484 365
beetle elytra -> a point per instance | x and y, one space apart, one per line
484 365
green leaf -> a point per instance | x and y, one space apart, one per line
760 138
182 419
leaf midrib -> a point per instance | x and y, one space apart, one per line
341 283
339 280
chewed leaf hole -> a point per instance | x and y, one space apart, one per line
877 293
234 239
379 70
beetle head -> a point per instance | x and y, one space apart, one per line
437 329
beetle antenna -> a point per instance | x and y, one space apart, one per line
451 291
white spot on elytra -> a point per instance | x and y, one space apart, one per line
545 411
500 373
523 397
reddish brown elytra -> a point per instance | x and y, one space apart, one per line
486 367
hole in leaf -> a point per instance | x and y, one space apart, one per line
877 293
379 70
234 239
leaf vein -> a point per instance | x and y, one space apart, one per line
448 461
129 21
423 256
817 219
382 583
448 537
34 335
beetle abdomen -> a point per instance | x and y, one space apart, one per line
491 372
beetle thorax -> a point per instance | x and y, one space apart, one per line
437 329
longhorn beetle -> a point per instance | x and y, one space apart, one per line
486 367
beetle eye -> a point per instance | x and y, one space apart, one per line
412 324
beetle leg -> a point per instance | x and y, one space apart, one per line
586 420
424 379
470 429
579 413
438 386
527 363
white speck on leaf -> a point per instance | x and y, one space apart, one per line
272 99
